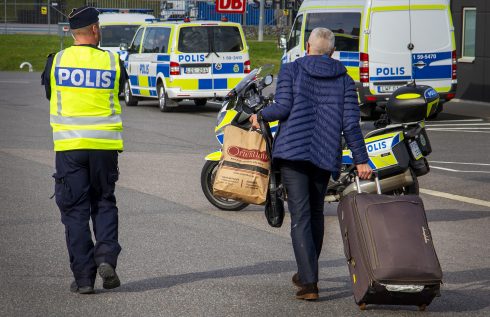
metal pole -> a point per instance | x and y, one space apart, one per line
49 18
261 20
244 15
5 14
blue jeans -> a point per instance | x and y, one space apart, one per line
305 185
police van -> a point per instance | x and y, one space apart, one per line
384 44
118 26
195 60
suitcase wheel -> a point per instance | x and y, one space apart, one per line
362 306
422 307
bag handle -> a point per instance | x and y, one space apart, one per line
376 180
266 134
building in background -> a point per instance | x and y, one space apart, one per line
471 20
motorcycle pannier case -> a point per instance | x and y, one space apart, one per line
389 250
412 103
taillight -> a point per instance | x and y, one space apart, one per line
454 67
174 68
364 67
246 67
450 96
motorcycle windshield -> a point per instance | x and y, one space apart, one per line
256 74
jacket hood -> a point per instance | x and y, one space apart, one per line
321 66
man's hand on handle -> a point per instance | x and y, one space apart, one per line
254 121
364 171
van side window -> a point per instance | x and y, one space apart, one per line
135 46
345 26
295 36
156 40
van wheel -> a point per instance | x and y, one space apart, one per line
201 102
129 99
162 99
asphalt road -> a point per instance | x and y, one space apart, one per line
181 256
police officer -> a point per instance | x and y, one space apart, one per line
82 83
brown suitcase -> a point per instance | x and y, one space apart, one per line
389 249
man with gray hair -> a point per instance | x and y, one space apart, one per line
315 103
321 42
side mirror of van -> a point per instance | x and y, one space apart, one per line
123 47
282 41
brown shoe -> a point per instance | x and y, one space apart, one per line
308 292
296 280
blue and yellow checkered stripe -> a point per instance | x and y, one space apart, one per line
351 62
147 84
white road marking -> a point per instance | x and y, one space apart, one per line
458 171
461 163
475 130
461 120
468 128
464 199
458 125
14 82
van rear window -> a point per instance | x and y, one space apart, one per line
345 26
200 39
114 35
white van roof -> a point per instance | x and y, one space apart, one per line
124 18
340 4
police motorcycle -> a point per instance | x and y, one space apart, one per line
397 151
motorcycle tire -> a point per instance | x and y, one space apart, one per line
207 177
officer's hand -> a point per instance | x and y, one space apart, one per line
254 121
364 171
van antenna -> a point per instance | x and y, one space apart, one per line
410 45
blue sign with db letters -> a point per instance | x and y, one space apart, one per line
85 77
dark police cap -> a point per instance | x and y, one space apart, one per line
82 17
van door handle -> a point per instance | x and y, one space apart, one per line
420 64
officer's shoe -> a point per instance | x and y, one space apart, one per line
109 276
81 290
308 292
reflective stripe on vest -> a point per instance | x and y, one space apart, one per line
87 134
85 120
85 110
58 93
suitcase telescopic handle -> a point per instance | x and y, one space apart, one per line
376 181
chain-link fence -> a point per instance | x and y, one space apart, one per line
51 12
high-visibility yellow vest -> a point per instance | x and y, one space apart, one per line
84 107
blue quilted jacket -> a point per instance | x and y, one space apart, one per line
315 102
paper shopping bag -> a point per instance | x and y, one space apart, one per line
244 170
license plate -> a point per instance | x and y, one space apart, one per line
414 147
196 70
387 88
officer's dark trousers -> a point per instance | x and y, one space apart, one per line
305 185
84 188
